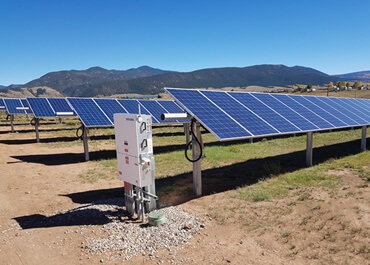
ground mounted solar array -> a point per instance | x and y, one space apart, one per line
238 115
15 106
49 107
2 104
98 112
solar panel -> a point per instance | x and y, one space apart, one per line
155 109
109 106
132 107
236 115
2 104
26 105
211 116
41 107
14 106
60 105
89 112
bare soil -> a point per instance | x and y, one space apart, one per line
310 226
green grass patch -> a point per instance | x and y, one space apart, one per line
309 177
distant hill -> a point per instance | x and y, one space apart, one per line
261 75
29 92
356 76
146 80
65 80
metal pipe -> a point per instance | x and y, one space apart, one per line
12 123
37 122
85 141
197 171
175 116
363 138
309 149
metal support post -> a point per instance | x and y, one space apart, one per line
187 132
12 123
251 140
129 198
309 149
363 138
152 203
197 171
37 123
85 141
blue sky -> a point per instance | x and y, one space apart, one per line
37 37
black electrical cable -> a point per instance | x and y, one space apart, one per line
82 129
190 143
33 122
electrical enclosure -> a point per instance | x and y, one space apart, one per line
134 148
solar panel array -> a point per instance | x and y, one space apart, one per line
238 115
98 112
48 107
16 106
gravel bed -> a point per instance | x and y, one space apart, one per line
127 239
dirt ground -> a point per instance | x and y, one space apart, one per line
325 226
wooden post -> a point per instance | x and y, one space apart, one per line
197 171
309 149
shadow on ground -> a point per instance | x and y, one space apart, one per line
178 189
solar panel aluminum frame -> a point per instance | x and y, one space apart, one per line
167 89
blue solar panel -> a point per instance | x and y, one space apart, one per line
287 112
339 115
170 106
351 107
357 104
41 107
89 112
266 113
155 109
2 104
12 105
109 107
26 105
211 116
303 111
60 105
240 113
339 107
335 122
132 107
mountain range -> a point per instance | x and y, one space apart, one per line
97 81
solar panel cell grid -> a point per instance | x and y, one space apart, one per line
109 107
238 112
60 105
266 113
339 115
288 113
41 107
155 109
213 118
89 112
12 105
352 108
339 107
